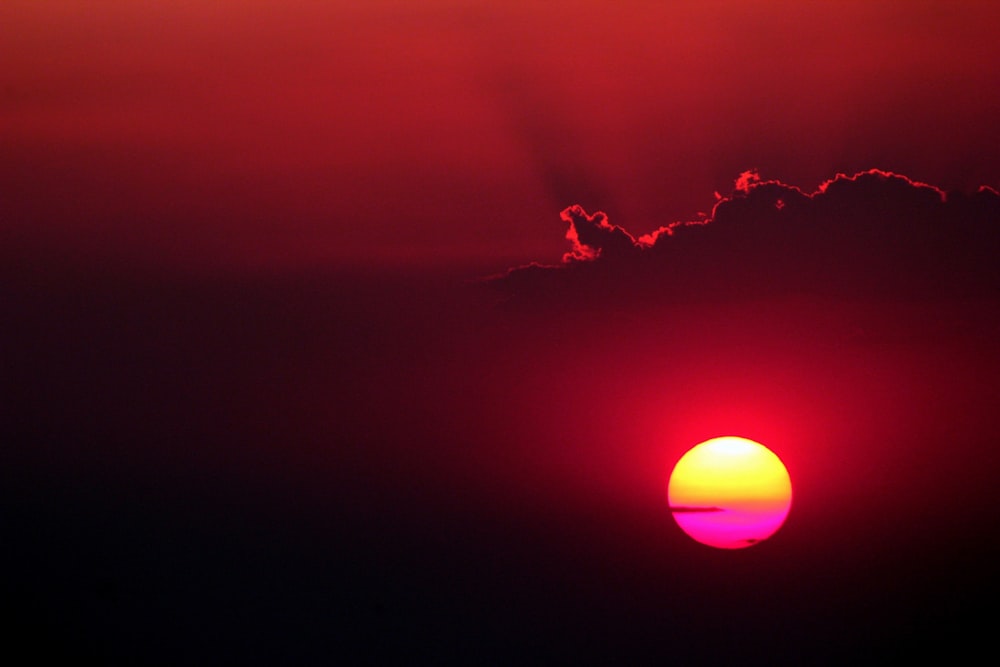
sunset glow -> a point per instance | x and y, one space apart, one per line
730 493
386 332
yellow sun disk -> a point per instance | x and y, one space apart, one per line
708 476
730 492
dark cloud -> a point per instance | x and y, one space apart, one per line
696 509
592 236
870 235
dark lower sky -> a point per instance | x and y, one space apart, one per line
346 470
259 406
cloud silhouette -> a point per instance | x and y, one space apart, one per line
683 508
868 235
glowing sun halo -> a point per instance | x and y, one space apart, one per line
730 492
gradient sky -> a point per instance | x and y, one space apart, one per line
241 134
248 414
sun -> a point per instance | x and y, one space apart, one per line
730 492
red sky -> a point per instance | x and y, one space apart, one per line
263 133
211 455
